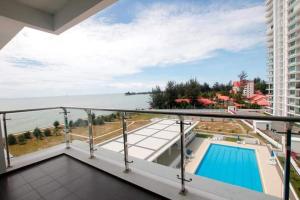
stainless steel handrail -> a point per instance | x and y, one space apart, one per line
176 113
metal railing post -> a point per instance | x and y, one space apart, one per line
287 166
66 128
125 143
6 140
182 157
91 137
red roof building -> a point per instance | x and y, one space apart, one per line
223 97
205 101
183 101
259 99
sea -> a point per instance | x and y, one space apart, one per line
19 122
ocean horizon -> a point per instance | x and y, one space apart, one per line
19 122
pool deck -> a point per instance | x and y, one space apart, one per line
270 178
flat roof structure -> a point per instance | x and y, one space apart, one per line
150 141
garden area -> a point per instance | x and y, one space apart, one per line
294 177
24 143
104 128
222 127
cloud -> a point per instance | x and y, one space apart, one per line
94 54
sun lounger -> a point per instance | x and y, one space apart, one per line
272 161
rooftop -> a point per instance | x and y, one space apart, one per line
150 141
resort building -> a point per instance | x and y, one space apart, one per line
282 18
248 89
259 99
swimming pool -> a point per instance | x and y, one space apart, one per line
233 165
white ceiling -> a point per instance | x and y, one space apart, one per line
49 6
53 16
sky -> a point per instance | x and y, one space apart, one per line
135 45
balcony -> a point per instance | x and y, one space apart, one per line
148 161
62 177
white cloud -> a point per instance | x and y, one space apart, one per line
92 55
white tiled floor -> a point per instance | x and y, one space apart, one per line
132 138
158 126
152 143
113 146
166 134
146 131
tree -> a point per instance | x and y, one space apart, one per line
21 139
193 90
71 123
47 132
171 94
99 120
93 119
243 81
37 133
260 85
27 135
157 98
56 127
80 123
205 88
56 124
11 139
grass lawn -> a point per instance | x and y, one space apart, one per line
230 139
230 127
142 116
33 145
106 131
202 135
294 177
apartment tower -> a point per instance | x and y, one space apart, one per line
283 63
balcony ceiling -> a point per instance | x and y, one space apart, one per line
49 6
53 16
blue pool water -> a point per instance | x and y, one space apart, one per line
233 165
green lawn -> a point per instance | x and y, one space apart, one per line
294 177
230 139
202 135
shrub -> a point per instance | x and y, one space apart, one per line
27 135
71 124
47 132
11 139
56 124
21 139
37 133
99 120
80 123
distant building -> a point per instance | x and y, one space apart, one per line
282 37
248 90
259 99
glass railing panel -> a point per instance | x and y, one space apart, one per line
106 126
78 128
29 132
